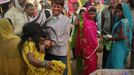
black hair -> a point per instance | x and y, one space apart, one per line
60 2
119 7
28 5
81 10
31 30
47 13
92 9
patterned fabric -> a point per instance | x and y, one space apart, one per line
89 45
121 48
57 68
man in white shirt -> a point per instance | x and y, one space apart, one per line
59 41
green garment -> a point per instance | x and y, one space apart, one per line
79 59
74 35
79 65
106 43
75 32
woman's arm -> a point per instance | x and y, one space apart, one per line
34 61
29 50
120 35
38 63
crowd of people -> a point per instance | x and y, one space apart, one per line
39 41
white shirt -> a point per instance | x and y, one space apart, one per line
61 25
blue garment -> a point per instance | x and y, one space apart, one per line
117 55
121 48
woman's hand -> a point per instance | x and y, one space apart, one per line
42 48
48 43
109 37
48 64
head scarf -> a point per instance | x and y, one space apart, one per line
86 15
41 17
128 24
17 4
6 30
128 14
83 8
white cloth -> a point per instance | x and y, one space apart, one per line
18 19
17 16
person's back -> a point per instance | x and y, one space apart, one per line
9 53
17 16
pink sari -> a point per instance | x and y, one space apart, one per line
70 5
89 44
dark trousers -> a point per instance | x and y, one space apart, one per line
105 57
61 58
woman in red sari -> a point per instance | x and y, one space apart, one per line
89 41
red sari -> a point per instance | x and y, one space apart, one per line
89 45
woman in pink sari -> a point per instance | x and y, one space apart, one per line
89 41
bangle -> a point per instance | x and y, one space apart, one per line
44 63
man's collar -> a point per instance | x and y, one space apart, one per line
59 16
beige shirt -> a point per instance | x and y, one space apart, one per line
18 19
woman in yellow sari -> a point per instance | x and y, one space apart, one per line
33 46
10 61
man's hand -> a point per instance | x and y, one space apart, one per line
48 43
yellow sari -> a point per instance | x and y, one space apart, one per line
57 68
10 60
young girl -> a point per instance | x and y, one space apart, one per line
89 41
33 46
